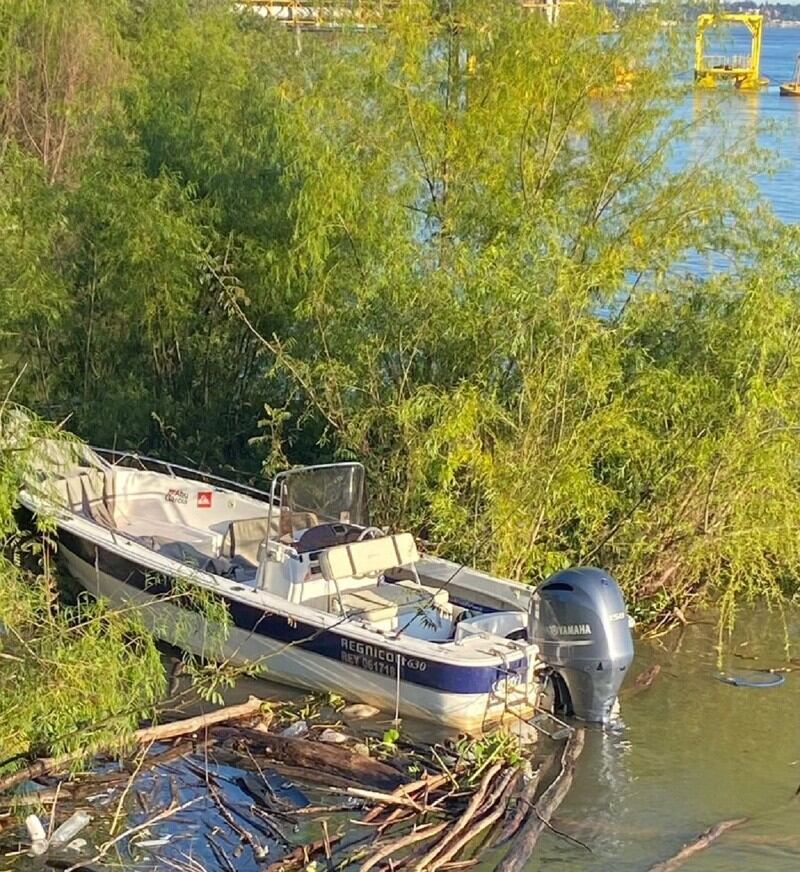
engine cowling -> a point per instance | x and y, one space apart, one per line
579 621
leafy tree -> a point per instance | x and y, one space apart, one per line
451 241
72 676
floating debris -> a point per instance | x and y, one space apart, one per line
751 679
280 803
334 737
298 728
359 711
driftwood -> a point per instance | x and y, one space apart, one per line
322 758
426 784
437 823
397 801
197 724
301 855
245 835
144 736
39 768
703 841
497 802
541 813
419 834
87 784
471 810
521 809
644 680
383 798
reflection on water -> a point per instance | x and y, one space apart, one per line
687 753
757 110
690 752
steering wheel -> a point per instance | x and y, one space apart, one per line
370 533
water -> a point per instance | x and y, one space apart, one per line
687 753
754 110
691 752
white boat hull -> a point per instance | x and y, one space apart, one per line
295 666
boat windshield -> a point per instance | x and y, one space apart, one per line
315 495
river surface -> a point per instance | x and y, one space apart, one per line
776 118
689 752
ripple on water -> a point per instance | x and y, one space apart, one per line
688 753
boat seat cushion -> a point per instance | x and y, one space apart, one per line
368 558
91 493
437 596
243 538
366 603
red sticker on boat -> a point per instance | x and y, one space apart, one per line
204 499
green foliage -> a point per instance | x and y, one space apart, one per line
389 738
454 246
72 676
477 755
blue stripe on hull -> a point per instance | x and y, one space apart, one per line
335 645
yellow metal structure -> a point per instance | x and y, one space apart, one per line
742 70
792 89
317 14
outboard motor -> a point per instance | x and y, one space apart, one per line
579 621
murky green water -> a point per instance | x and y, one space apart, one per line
687 753
690 752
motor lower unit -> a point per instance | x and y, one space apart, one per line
580 623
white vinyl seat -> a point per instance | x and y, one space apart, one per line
244 538
366 603
368 558
346 568
437 596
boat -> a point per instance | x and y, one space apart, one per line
792 89
318 598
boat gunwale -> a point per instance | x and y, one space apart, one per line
195 474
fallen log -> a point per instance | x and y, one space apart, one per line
521 809
144 736
39 768
199 723
540 815
703 841
321 758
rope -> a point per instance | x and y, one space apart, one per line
397 691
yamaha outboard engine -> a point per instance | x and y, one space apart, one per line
579 621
